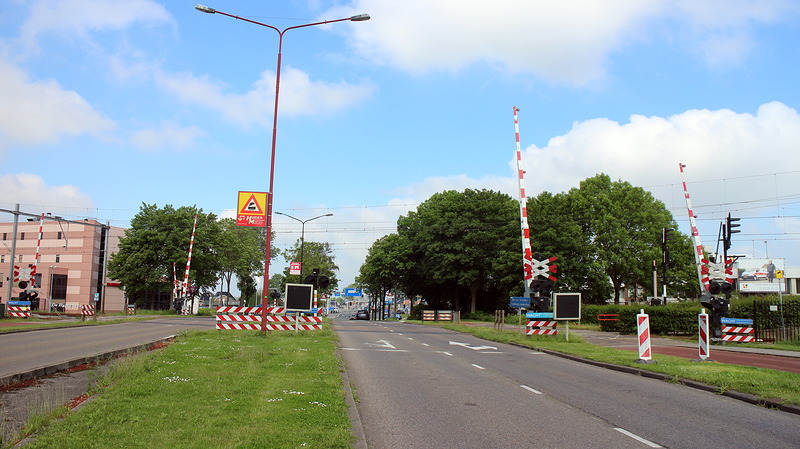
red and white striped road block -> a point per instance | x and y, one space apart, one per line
702 324
131 310
428 315
444 315
19 311
222 325
643 331
249 310
87 310
272 319
739 334
541 327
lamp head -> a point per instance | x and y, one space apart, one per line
206 9
359 18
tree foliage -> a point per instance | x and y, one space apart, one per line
315 255
605 234
158 243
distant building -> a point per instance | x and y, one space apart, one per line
72 260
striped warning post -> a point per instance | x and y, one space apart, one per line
444 315
222 325
541 327
428 315
739 334
643 330
19 311
131 310
702 324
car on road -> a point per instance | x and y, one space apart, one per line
362 315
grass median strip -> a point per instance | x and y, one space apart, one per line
217 389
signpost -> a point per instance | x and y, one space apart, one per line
567 306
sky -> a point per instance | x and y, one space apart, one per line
106 105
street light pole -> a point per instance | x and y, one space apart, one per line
302 236
267 255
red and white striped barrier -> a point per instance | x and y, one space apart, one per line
444 315
541 327
643 330
739 334
702 324
249 318
270 327
428 315
87 310
249 310
19 311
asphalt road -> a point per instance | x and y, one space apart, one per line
25 355
427 387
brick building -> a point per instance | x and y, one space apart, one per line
72 261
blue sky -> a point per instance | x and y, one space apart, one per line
108 104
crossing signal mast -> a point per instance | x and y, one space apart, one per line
715 277
538 273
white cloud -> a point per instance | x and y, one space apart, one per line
564 42
35 112
166 136
33 194
299 95
79 17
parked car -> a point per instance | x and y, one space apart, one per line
362 315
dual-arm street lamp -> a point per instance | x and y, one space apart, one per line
302 236
356 18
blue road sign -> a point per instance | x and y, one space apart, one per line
520 302
540 315
739 321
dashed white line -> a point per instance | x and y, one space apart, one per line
532 390
636 437
447 353
425 344
477 366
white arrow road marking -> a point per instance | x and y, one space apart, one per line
474 348
383 344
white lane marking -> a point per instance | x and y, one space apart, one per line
532 390
425 344
636 437
447 353
477 366
474 348
536 353
410 338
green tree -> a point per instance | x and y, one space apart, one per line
315 255
462 241
385 266
159 238
240 252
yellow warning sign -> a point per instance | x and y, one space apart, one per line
251 209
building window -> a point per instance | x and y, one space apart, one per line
59 235
22 236
5 236
3 258
58 286
58 258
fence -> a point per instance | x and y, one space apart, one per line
772 324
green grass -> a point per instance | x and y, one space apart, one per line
217 389
761 382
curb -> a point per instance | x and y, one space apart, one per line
58 367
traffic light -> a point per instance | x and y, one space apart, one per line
716 287
730 228
720 306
